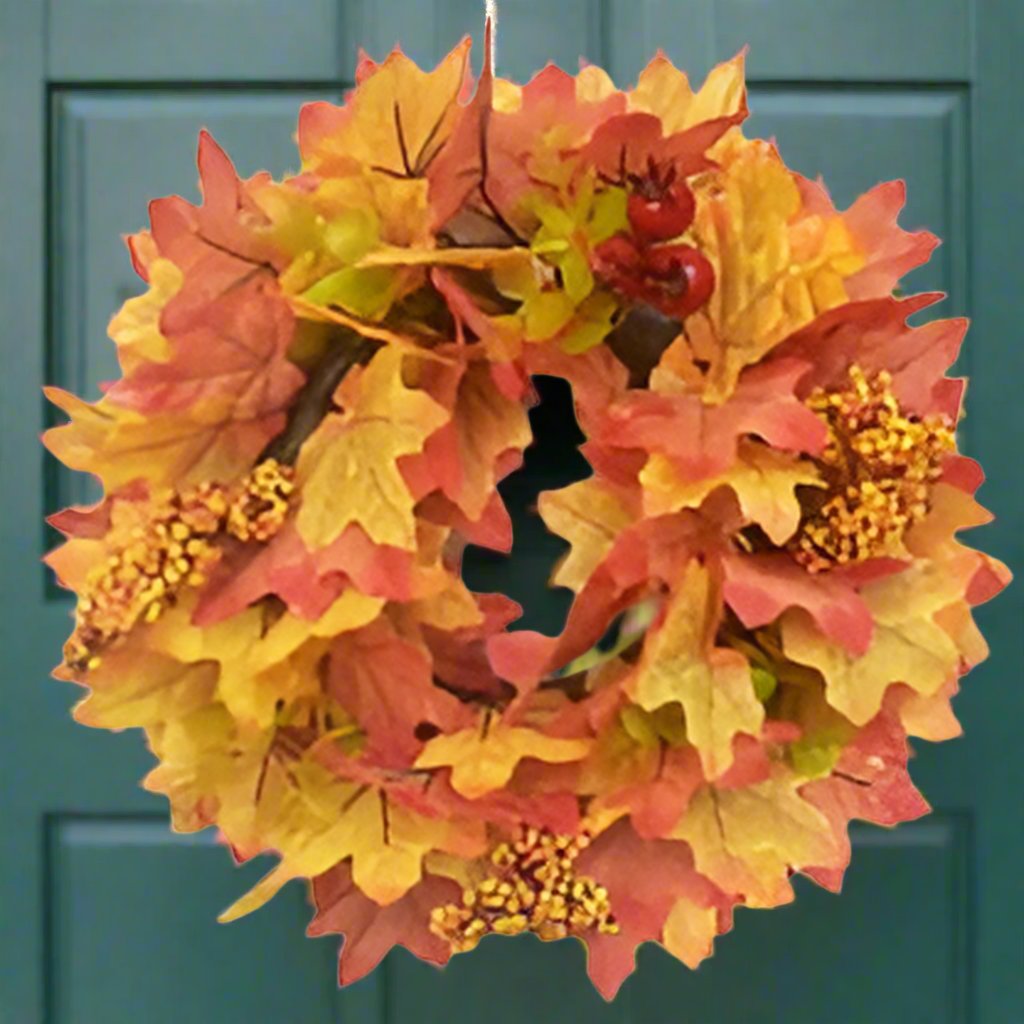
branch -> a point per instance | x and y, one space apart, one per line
639 340
314 399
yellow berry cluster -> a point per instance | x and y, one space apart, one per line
533 887
262 505
878 465
171 546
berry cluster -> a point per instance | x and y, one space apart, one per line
534 888
675 278
172 545
878 465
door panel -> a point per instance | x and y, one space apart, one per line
132 934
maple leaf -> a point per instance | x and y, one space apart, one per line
395 123
680 663
759 588
748 840
347 470
135 328
908 646
464 455
764 481
264 664
889 251
386 682
668 124
386 842
218 246
875 335
590 515
133 688
702 440
651 780
777 265
460 655
482 761
870 782
533 128
371 931
308 581
664 90
646 880
204 413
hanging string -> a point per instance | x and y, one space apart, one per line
491 16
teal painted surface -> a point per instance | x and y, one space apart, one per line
104 916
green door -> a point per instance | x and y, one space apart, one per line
108 918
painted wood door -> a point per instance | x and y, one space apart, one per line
105 916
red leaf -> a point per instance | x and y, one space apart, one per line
759 588
870 782
371 931
644 879
387 684
702 439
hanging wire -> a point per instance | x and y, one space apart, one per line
491 15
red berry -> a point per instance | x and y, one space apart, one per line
682 277
657 215
676 279
620 262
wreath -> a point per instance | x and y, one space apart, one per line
322 388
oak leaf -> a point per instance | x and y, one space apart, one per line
908 645
347 471
680 663
748 840
370 931
763 479
483 761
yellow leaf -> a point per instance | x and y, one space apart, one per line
746 840
908 645
454 607
484 761
487 425
690 932
398 117
590 517
132 689
664 90
776 266
388 844
680 663
260 666
347 471
764 480
168 449
136 327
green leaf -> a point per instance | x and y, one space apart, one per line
352 234
815 756
764 683
546 313
594 323
367 292
608 215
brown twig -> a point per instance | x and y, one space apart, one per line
314 399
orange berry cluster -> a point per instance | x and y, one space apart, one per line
172 545
533 887
878 465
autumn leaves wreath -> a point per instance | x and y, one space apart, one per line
323 385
